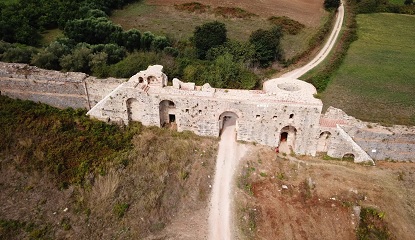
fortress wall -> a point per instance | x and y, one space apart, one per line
256 121
343 144
384 145
55 88
199 111
99 88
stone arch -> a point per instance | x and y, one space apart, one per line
227 118
134 109
167 110
348 157
287 139
323 141
151 80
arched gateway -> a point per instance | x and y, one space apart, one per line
226 119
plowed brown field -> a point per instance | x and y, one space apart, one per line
308 12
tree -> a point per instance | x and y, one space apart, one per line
146 40
160 42
131 39
331 4
209 35
93 30
409 2
78 60
267 45
49 57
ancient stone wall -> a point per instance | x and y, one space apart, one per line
285 115
62 90
261 117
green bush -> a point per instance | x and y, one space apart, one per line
64 139
120 209
209 35
287 24
267 45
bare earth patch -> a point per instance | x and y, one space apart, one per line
311 10
314 199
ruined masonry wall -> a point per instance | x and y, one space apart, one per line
62 90
261 115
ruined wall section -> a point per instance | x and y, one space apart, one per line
342 144
51 87
99 88
379 142
58 89
385 145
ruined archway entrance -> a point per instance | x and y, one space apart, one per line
323 141
348 157
167 110
287 139
227 119
134 109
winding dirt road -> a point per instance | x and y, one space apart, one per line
230 152
324 52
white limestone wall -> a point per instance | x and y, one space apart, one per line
343 144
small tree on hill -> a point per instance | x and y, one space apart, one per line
209 35
331 4
267 45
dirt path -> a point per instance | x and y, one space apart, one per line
229 154
324 51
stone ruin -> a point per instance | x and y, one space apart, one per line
284 114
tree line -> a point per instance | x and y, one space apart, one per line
93 44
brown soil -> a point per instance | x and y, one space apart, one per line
324 208
32 206
308 12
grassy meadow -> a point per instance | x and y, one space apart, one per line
376 80
180 25
9 1
398 2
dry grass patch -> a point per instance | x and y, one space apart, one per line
319 199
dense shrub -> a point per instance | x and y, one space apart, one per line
331 4
209 35
17 53
93 30
267 45
287 24
146 40
131 39
59 141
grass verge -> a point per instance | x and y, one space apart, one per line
375 81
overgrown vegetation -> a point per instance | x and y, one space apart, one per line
59 141
13 229
372 225
93 44
287 24
113 173
227 12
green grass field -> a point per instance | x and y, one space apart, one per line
397 2
376 81
166 20
9 1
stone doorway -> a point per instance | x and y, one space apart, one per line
287 139
323 141
348 157
227 119
167 111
